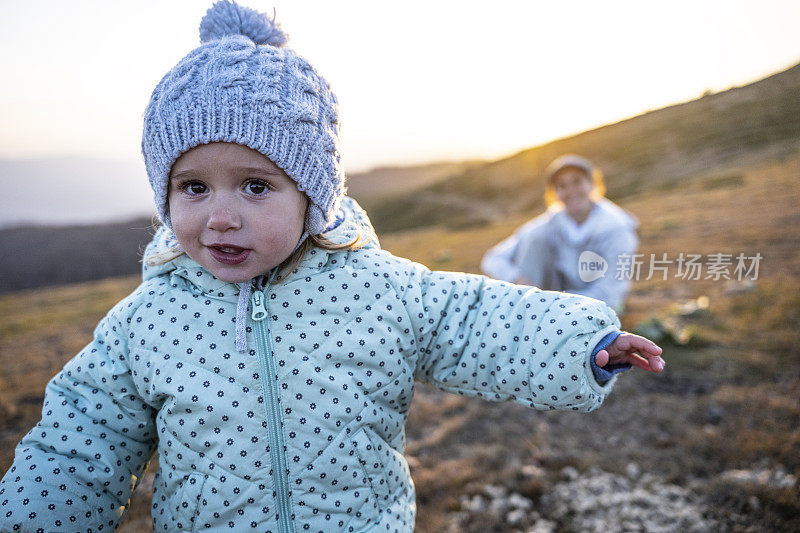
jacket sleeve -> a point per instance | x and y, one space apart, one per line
76 469
485 338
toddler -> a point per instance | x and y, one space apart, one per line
270 353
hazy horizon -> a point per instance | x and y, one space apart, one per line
72 190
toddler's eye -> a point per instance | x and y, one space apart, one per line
194 187
256 187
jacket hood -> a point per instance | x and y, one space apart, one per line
163 255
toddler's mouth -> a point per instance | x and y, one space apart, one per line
228 254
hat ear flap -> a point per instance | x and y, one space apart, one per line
315 220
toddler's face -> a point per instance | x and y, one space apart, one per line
234 211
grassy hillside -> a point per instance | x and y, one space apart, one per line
717 435
378 183
726 410
701 139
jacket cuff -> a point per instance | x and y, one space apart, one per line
604 374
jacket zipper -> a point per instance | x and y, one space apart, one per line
268 383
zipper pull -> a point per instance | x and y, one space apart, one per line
259 306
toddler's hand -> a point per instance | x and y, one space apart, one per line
633 349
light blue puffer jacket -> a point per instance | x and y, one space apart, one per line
305 431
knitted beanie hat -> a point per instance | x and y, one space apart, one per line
242 85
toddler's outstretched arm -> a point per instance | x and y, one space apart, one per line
481 337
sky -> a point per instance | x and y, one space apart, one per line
416 81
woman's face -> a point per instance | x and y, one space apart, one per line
573 187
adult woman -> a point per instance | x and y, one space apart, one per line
582 244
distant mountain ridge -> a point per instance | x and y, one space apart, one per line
43 256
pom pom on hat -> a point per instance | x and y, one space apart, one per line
226 18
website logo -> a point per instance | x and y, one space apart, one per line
591 266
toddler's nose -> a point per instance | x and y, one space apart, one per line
223 218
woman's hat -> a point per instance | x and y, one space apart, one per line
568 160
